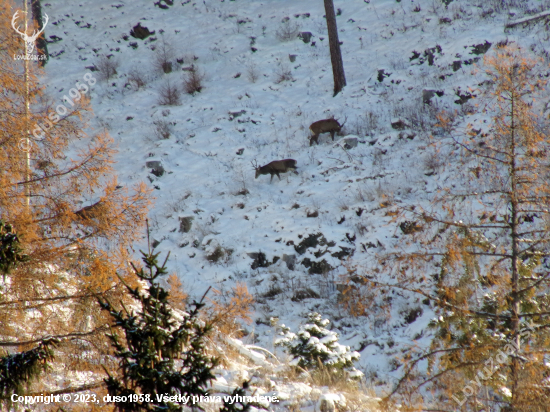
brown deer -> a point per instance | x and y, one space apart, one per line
324 126
275 167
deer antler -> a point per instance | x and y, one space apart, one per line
13 20
254 164
345 120
35 34
44 23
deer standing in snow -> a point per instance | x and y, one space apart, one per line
275 167
324 126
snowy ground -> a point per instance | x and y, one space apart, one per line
351 192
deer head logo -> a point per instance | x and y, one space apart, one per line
29 40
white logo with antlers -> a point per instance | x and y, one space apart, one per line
29 40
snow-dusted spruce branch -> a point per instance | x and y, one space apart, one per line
68 336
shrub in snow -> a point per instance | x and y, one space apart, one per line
169 95
107 65
315 345
192 82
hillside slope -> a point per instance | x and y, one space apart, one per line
291 241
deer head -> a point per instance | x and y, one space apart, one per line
256 168
29 40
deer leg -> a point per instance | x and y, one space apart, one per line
278 176
315 139
332 135
271 180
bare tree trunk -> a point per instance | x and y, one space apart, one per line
41 45
27 111
335 53
515 237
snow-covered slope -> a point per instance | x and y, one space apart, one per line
404 61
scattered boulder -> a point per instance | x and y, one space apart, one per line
471 61
398 124
312 240
430 54
186 223
260 260
156 167
236 113
481 48
409 227
382 75
463 96
427 95
290 261
302 294
292 57
348 142
415 55
164 4
313 213
457 64
345 251
305 36
413 314
319 268
409 136
370 245
140 32
240 151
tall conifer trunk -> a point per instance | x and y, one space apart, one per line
41 45
334 44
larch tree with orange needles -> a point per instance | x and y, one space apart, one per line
481 255
75 222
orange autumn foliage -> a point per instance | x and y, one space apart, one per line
61 194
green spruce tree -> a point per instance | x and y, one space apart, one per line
316 347
162 351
